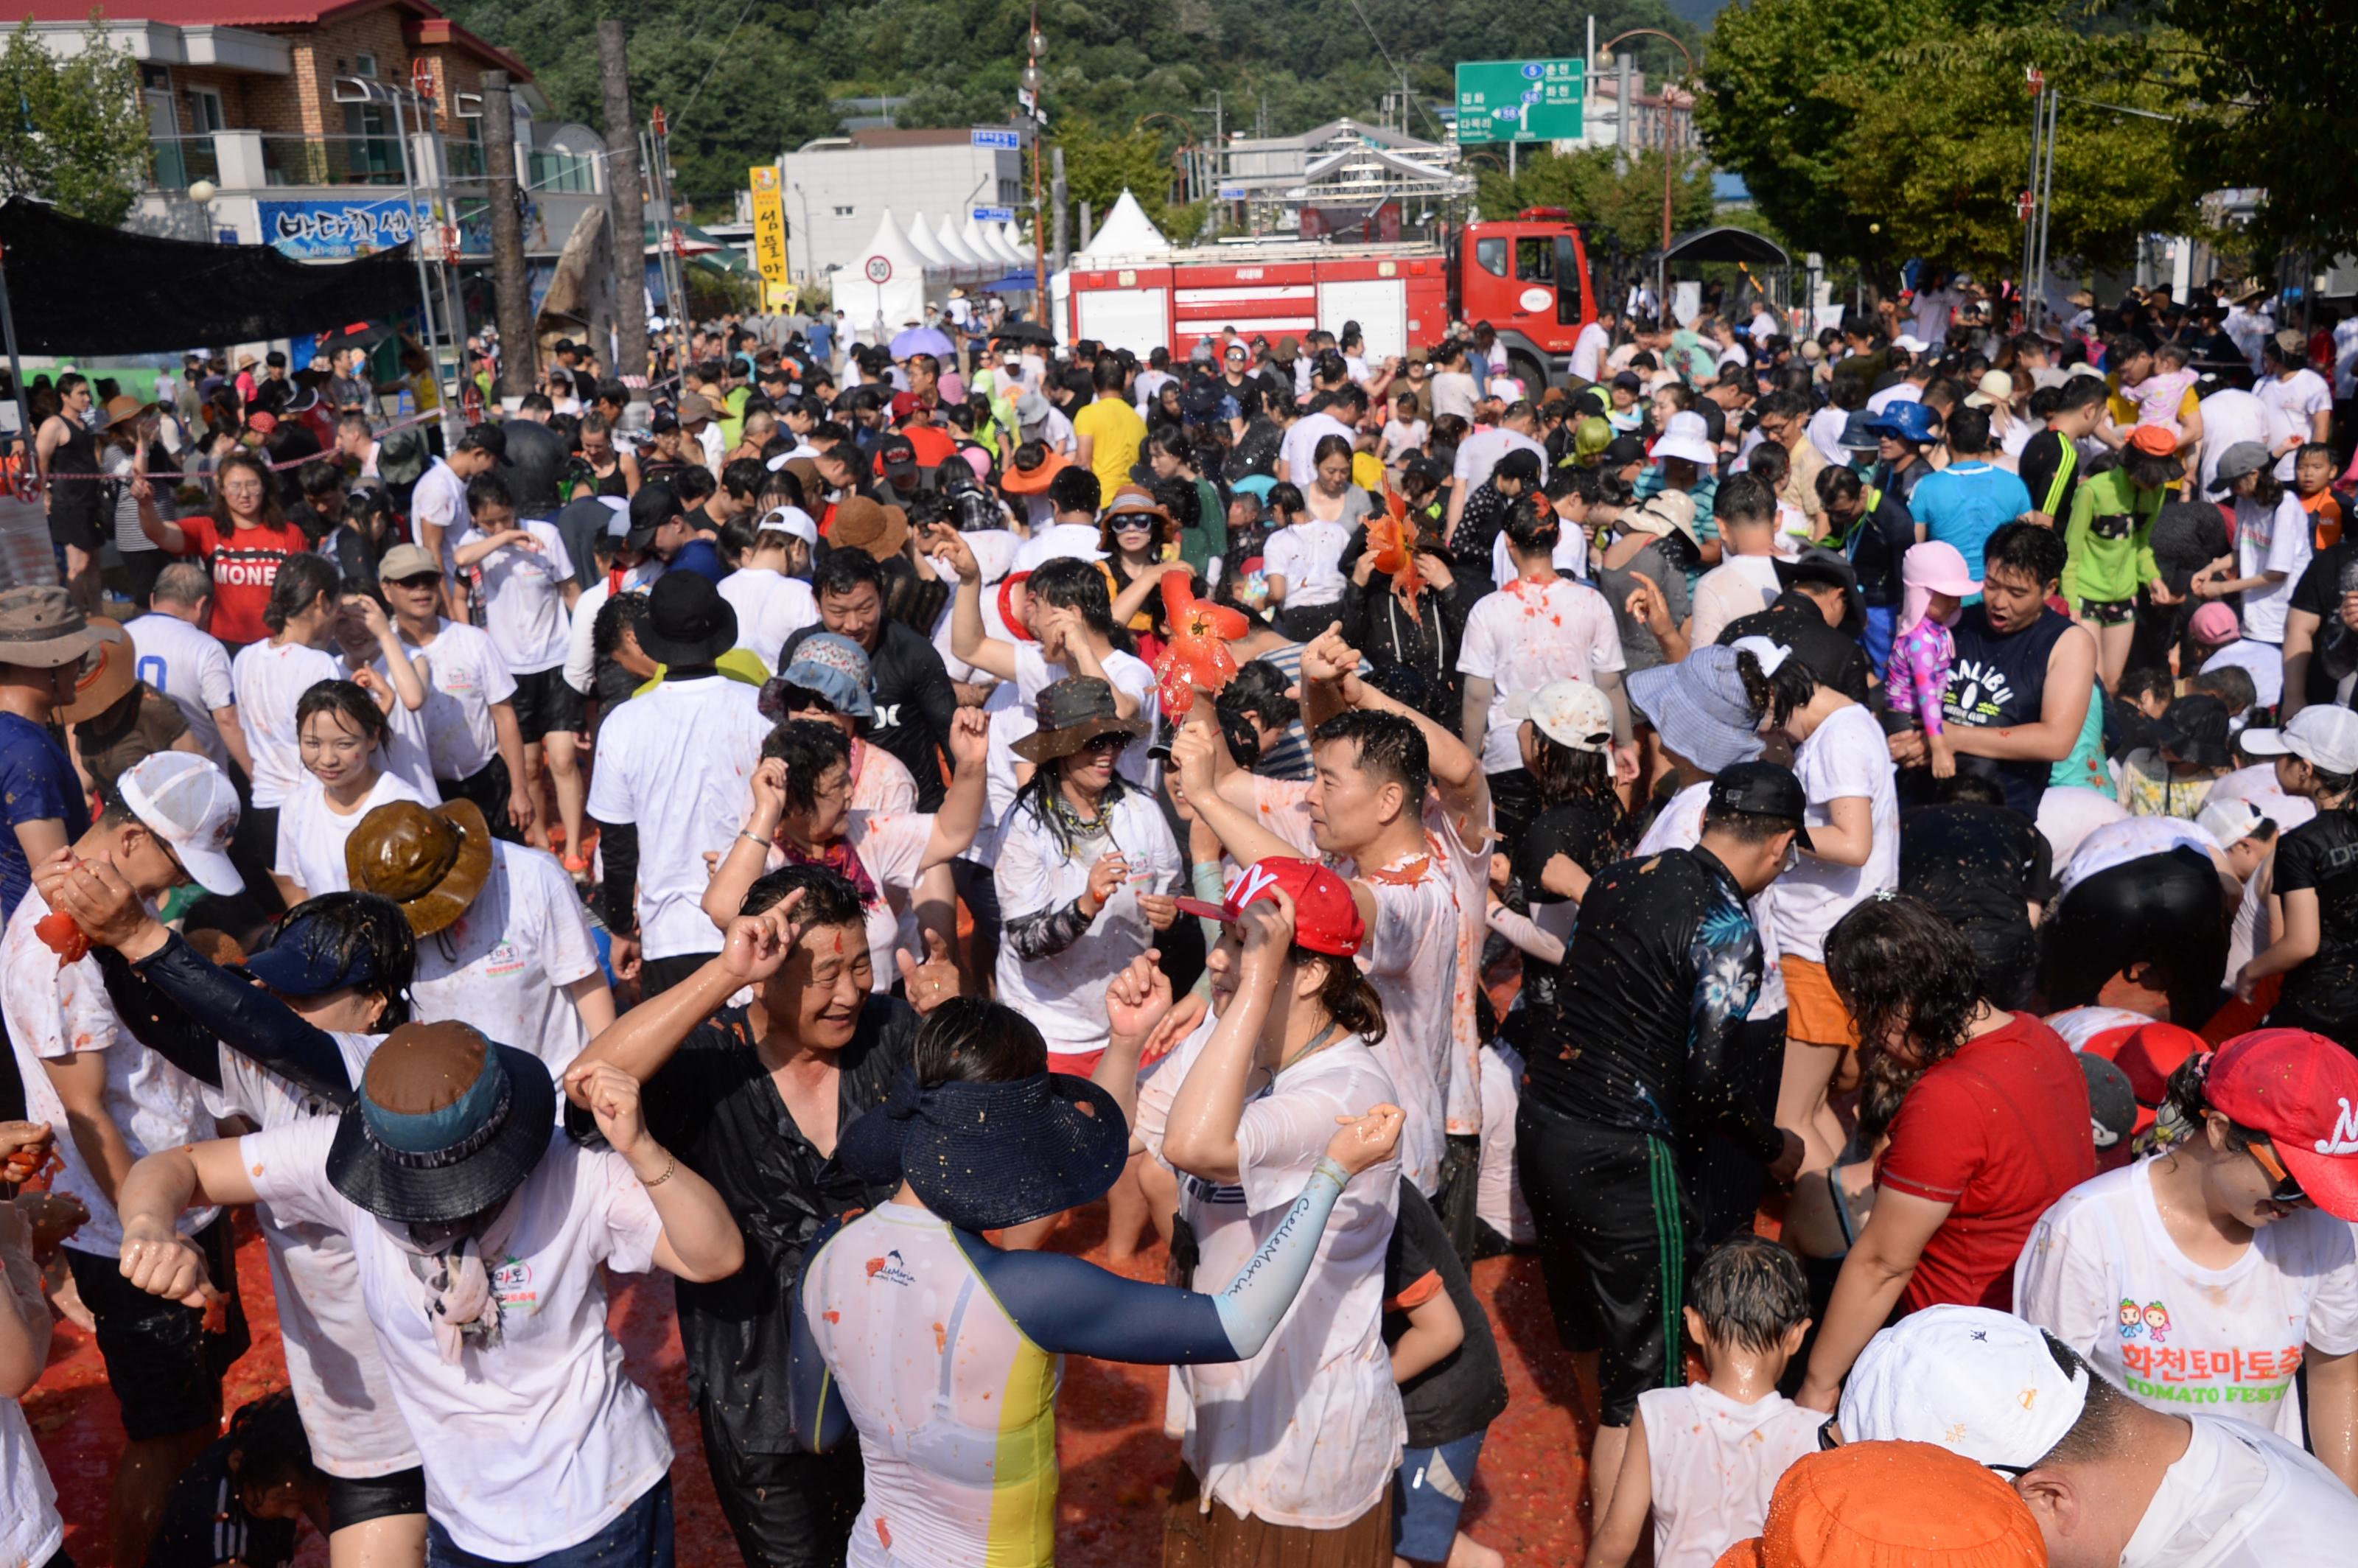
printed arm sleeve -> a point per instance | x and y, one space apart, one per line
248 1021
1070 1306
822 1422
618 848
1726 957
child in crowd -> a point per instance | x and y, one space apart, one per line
2313 483
1452 1386
240 1502
1704 1459
1922 651
2159 396
1405 434
2173 776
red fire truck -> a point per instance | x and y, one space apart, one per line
1527 276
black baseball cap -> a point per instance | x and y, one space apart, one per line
656 504
1622 450
1760 789
899 458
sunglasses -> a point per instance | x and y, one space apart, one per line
2285 1191
419 580
1108 743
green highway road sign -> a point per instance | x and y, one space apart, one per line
1518 100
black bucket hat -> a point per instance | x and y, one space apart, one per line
1073 712
448 1125
1833 568
687 621
2194 731
985 1156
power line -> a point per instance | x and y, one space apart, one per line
718 56
1398 74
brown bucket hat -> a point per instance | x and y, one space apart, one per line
107 677
1073 712
431 862
41 627
862 524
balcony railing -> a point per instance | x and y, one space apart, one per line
333 161
262 158
177 162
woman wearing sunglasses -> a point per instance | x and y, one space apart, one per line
1136 533
2211 1274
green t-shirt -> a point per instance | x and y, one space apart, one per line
2109 538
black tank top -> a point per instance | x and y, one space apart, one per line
613 484
78 453
2001 681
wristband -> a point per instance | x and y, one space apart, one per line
1331 1169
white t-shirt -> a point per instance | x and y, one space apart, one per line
1844 756
54 1011
2102 1274
188 665
524 597
502 964
1714 1464
1124 672
771 607
31 1529
880 781
269 681
1527 634
406 752
2263 662
339 1378
311 833
580 644
1455 392
1301 442
540 1441
892 846
1307 1434
2276 540
1063 993
1570 555
1402 437
1825 429
439 497
2297 400
1308 554
1498 1201
2068 814
1588 351
2242 1498
2230 417
1737 587
1479 454
466 675
676 762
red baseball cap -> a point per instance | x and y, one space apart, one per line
905 404
2301 1090
2146 1057
1326 916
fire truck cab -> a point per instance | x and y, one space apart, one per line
1527 276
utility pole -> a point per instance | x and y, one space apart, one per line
627 204
511 293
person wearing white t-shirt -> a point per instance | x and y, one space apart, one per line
799 812
771 605
31 1529
2187 1278
343 734
1302 564
1301 1014
1538 628
1400 808
2301 399
1851 854
179 658
2272 544
270 676
472 737
1479 453
108 1099
487 1298
1295 463
2112 1483
673 769
1454 390
502 941
1588 351
1745 581
529 586
438 503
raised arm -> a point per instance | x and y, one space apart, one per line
639 1043
969 641
960 817
1238 828
1330 674
700 1241
1200 1136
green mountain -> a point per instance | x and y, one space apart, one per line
741 83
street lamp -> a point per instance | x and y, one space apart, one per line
1669 168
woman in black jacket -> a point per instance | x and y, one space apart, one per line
1425 635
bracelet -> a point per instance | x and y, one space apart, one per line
748 834
1328 1167
671 1164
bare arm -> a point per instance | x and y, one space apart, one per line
24 1311
1873 1277
79 1080
1633 1501
956 824
1849 838
1480 692
510 736
2299 643
593 1000
641 1040
970 643
2297 939
233 736
1130 600
41 839
1200 1136
1434 1330
2333 1412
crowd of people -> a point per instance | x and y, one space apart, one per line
1843 848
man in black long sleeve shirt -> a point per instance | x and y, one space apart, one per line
1662 968
914 700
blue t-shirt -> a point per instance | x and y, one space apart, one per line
821 339
698 555
1964 503
36 781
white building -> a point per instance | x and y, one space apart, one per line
836 186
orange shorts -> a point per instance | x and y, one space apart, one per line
1814 1014
1083 1066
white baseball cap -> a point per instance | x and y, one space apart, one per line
1570 712
2229 820
790 520
188 803
1976 1382
2325 737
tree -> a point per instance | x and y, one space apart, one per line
1099 165
79 136
1625 206
2269 87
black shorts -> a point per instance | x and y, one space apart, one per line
1619 1238
2109 612
166 1371
544 702
356 1499
488 788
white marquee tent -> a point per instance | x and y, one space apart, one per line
882 288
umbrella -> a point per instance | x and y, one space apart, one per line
363 334
1024 332
922 340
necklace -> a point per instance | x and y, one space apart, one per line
1318 1042
1071 823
